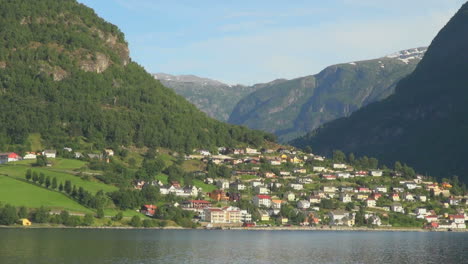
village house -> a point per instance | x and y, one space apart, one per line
380 189
225 215
262 200
454 201
330 177
290 196
318 169
343 175
373 219
109 152
275 162
148 209
303 204
422 198
431 218
50 153
260 189
398 208
319 158
395 197
376 173
300 171
420 211
345 198
251 151
24 222
409 197
276 203
269 175
363 190
370 202
9 157
285 173
315 199
347 189
196 204
264 215
222 184
238 185
256 183
245 216
329 189
360 173
341 217
361 196
296 186
30 156
339 166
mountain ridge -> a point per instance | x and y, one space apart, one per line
291 108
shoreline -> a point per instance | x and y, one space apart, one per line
323 229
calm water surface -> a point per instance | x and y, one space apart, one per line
221 246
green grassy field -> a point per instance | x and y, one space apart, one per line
93 186
19 193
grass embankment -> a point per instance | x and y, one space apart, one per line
62 170
19 193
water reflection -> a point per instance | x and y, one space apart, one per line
202 246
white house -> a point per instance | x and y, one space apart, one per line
376 173
260 189
222 184
381 189
398 208
341 217
318 169
296 186
256 183
371 202
30 156
339 166
345 198
329 189
50 153
303 204
262 200
290 196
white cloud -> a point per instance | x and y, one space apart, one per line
299 51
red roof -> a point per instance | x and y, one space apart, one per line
199 201
262 196
150 206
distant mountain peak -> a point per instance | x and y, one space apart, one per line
188 79
409 54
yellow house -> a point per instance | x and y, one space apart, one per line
24 222
284 220
284 157
264 216
295 160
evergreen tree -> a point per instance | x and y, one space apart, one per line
135 221
28 174
35 177
41 178
54 183
8 215
48 182
100 213
68 186
61 187
23 212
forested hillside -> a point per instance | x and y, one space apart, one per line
215 98
425 123
66 73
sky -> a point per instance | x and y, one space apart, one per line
256 41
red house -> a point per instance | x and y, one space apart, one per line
148 209
8 157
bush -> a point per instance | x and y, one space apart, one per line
136 221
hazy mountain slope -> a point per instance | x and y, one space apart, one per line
212 97
66 73
424 123
291 108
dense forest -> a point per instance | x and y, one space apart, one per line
66 73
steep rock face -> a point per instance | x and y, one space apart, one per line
424 123
291 108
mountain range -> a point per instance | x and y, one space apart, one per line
424 123
215 98
291 108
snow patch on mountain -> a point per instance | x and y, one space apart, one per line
407 55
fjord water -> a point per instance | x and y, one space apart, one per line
223 246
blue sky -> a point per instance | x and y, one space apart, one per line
257 41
